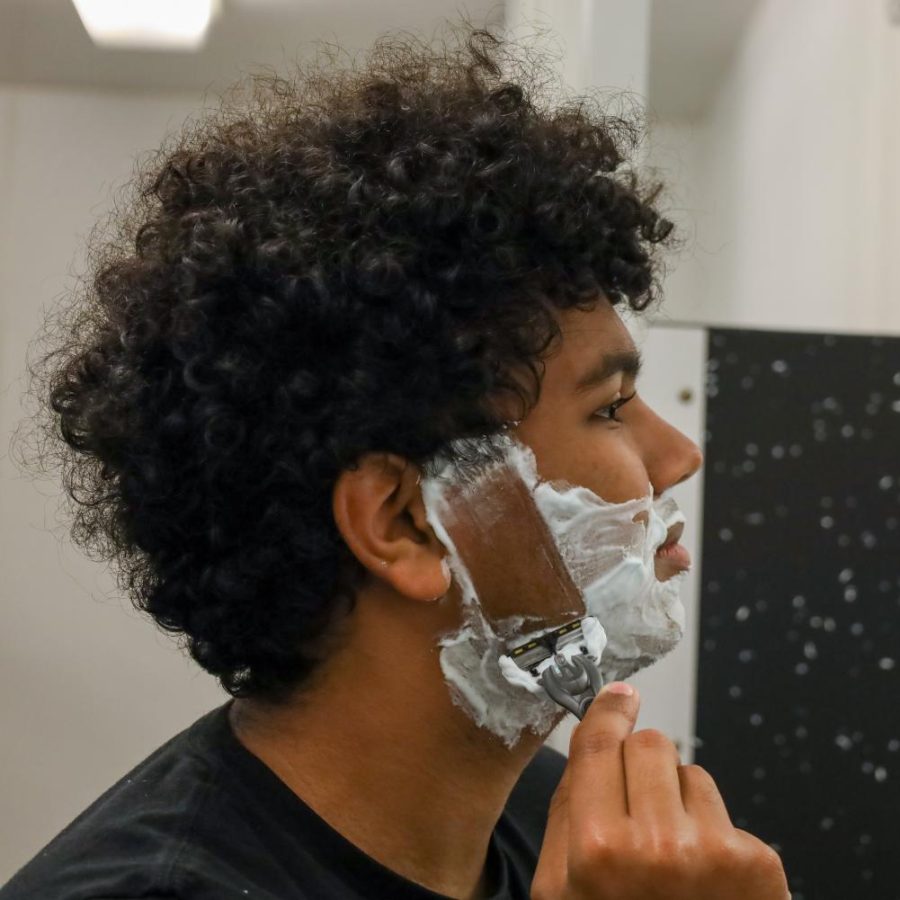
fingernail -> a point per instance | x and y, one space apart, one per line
618 687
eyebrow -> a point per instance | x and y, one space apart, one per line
628 362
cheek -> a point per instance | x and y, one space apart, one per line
606 463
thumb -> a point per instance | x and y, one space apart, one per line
613 711
555 848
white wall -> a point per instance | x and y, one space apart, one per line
789 199
87 687
791 176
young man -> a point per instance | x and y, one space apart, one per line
309 299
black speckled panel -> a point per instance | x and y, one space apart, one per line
798 706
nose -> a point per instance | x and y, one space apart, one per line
671 456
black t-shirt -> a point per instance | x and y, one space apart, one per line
202 818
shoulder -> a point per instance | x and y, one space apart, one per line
135 832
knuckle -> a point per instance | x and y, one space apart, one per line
650 739
724 853
700 781
669 853
591 743
768 861
591 849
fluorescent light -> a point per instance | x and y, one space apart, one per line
149 24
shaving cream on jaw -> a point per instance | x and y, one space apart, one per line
631 619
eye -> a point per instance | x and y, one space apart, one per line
612 409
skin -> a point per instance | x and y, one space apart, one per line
376 731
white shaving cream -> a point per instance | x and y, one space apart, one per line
630 618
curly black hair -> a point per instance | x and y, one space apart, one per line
360 257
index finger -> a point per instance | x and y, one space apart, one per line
597 785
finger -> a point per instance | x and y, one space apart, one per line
652 782
597 783
555 848
702 799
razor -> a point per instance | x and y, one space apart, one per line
571 680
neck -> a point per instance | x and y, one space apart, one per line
376 747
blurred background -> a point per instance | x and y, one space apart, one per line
776 127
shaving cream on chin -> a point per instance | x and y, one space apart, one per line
610 558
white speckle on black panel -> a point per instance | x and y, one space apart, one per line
897 378
895 406
833 611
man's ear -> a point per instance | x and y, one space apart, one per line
379 511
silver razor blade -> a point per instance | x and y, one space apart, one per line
570 680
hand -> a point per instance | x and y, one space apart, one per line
628 822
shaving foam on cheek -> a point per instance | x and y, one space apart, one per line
631 619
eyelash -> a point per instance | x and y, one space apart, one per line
613 408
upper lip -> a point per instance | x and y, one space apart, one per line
674 537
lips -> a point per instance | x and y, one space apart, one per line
675 554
